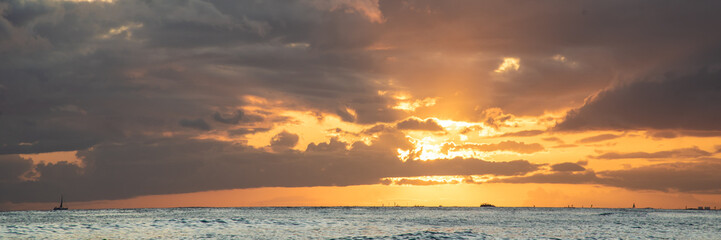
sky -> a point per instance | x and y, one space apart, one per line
225 103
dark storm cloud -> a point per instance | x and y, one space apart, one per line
567 51
694 152
676 102
24 12
80 74
32 137
162 166
131 69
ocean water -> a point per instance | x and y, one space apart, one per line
362 223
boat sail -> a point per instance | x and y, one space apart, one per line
61 204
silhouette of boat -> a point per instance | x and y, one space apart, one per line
61 205
487 205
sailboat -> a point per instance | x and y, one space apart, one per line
61 204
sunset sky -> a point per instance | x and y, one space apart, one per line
220 103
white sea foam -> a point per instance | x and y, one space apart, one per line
361 223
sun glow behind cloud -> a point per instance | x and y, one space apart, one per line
405 102
126 29
412 105
509 64
430 148
433 180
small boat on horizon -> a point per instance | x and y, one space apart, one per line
61 205
487 205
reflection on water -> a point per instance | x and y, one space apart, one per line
361 223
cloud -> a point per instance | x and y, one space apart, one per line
237 117
376 129
599 138
369 8
12 167
283 140
565 146
684 177
244 131
694 152
511 146
412 123
568 53
170 165
198 123
525 133
419 124
334 145
567 167
346 115
553 139
587 177
427 182
676 102
685 133
699 177
470 129
495 118
460 166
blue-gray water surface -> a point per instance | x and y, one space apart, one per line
362 223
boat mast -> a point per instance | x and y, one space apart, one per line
61 200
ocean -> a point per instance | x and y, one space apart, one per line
362 223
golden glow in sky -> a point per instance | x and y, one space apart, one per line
509 64
327 103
